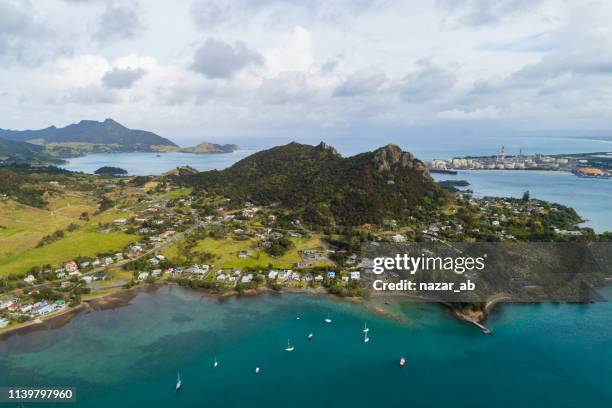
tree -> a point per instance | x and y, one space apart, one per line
526 196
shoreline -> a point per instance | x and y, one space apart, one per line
120 297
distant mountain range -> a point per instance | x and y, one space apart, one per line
90 136
322 187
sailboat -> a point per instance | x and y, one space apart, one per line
328 319
365 328
215 363
178 381
289 346
256 370
402 362
365 337
310 336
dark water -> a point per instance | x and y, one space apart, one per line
539 355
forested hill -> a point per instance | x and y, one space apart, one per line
325 188
107 132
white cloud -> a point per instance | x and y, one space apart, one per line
216 58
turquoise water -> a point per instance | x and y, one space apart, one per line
539 355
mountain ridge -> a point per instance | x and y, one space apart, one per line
325 188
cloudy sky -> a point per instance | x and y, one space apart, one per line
224 69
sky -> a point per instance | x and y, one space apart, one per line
225 70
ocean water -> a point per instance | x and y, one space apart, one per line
591 198
538 355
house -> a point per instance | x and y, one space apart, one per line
3 322
355 275
26 308
96 263
318 278
398 238
154 261
143 275
119 256
330 274
247 278
71 266
243 254
75 273
108 260
29 279
136 248
156 273
272 274
160 257
221 277
87 279
345 279
303 264
84 264
120 221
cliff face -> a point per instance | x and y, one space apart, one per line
323 187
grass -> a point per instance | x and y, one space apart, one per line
84 242
226 251
180 193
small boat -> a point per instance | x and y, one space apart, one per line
297 318
157 155
289 347
257 370
402 362
215 363
365 337
328 319
365 328
178 381
310 336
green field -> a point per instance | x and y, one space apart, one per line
227 249
84 242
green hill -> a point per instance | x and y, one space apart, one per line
21 152
325 188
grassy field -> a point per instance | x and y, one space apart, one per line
227 249
87 241
23 226
180 193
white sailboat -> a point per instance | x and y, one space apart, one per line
310 336
365 328
328 319
289 346
178 381
257 370
215 363
365 337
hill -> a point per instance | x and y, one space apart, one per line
89 135
21 152
325 188
206 147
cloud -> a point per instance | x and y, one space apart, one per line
477 13
119 21
359 83
287 87
489 112
25 37
122 78
90 95
219 59
427 83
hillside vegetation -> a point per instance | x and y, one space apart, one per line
322 187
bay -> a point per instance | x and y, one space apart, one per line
539 355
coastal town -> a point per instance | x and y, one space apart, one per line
589 165
211 243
